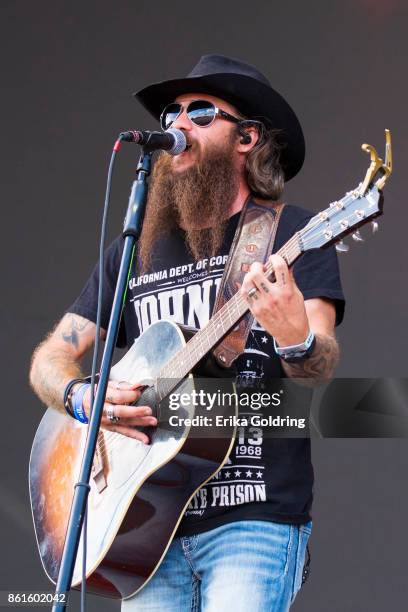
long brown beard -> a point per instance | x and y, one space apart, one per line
201 195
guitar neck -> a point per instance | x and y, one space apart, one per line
218 326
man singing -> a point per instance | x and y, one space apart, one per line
241 543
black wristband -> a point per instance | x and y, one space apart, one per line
67 395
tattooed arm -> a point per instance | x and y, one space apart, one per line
321 364
56 361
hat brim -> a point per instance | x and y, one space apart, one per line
249 96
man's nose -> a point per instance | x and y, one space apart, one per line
182 122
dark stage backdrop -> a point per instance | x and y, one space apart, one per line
67 72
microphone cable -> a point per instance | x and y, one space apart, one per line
95 356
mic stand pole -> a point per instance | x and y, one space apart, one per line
131 232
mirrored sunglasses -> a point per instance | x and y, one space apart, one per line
200 112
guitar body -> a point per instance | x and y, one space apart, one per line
138 492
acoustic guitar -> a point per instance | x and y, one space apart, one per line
139 492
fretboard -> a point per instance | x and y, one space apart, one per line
218 326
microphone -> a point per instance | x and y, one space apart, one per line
173 141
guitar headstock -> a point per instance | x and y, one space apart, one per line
355 209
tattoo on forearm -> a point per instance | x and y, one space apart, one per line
50 376
320 365
74 328
56 360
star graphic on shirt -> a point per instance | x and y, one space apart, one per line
227 474
259 474
248 473
237 473
264 339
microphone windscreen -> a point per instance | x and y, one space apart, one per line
180 142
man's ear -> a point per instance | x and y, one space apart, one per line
248 138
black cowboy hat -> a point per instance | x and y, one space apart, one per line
243 86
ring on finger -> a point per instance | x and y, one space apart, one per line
111 415
252 292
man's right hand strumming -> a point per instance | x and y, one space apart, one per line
56 362
119 415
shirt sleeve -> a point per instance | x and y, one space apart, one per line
87 302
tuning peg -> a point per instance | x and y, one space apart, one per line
374 226
342 247
357 236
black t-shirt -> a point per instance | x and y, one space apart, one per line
264 478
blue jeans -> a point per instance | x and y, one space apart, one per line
246 566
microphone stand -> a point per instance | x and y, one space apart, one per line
131 232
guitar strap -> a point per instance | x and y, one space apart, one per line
253 241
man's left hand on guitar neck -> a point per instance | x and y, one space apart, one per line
280 308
